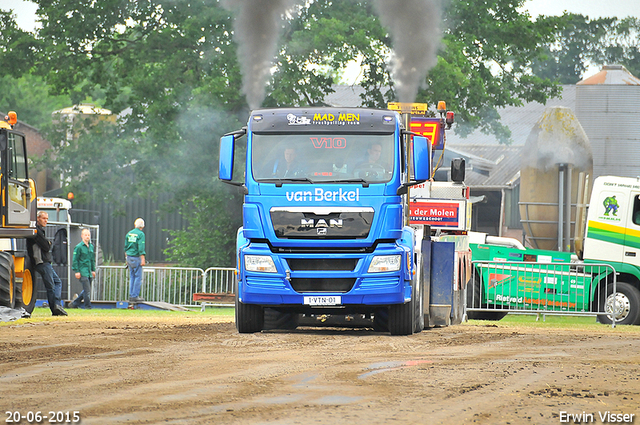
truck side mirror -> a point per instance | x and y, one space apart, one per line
3 140
225 168
421 158
457 170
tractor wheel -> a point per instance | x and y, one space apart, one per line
623 306
26 292
7 290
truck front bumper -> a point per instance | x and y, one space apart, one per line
298 285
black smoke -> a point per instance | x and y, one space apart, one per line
257 26
414 27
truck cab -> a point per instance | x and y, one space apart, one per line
613 222
324 229
18 218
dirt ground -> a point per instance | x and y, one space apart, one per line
196 369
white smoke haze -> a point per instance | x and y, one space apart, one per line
414 27
256 29
558 138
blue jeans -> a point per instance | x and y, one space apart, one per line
52 284
85 295
135 276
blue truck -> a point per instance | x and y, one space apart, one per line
326 220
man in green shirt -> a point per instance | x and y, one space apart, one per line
135 253
84 264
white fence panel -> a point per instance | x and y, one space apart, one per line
174 285
500 287
219 280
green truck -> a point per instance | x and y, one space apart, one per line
602 279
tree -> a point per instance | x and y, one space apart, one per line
17 47
29 96
485 62
168 69
581 43
210 238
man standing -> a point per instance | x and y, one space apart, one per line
134 250
84 264
39 249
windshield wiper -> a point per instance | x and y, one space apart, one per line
363 181
279 182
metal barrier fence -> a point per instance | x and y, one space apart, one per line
501 287
174 285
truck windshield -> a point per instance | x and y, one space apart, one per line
323 157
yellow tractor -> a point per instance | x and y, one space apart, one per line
18 215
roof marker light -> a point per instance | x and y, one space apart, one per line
12 118
449 119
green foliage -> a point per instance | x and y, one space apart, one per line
29 96
210 238
580 42
17 47
168 69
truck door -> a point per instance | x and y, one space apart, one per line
608 211
15 178
632 232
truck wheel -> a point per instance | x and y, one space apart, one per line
402 317
26 292
274 319
381 320
418 302
474 300
418 296
7 291
249 317
624 305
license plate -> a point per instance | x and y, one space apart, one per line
323 300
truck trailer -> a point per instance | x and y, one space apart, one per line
602 277
326 221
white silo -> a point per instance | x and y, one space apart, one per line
608 107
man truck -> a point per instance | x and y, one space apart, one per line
326 221
18 211
512 278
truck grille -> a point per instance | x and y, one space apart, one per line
322 284
322 264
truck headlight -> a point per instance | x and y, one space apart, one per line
385 263
259 263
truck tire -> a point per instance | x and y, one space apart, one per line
627 307
418 296
249 317
7 290
381 320
26 292
474 300
274 319
402 317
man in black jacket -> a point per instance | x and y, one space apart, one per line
39 249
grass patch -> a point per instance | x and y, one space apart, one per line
121 314
553 321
